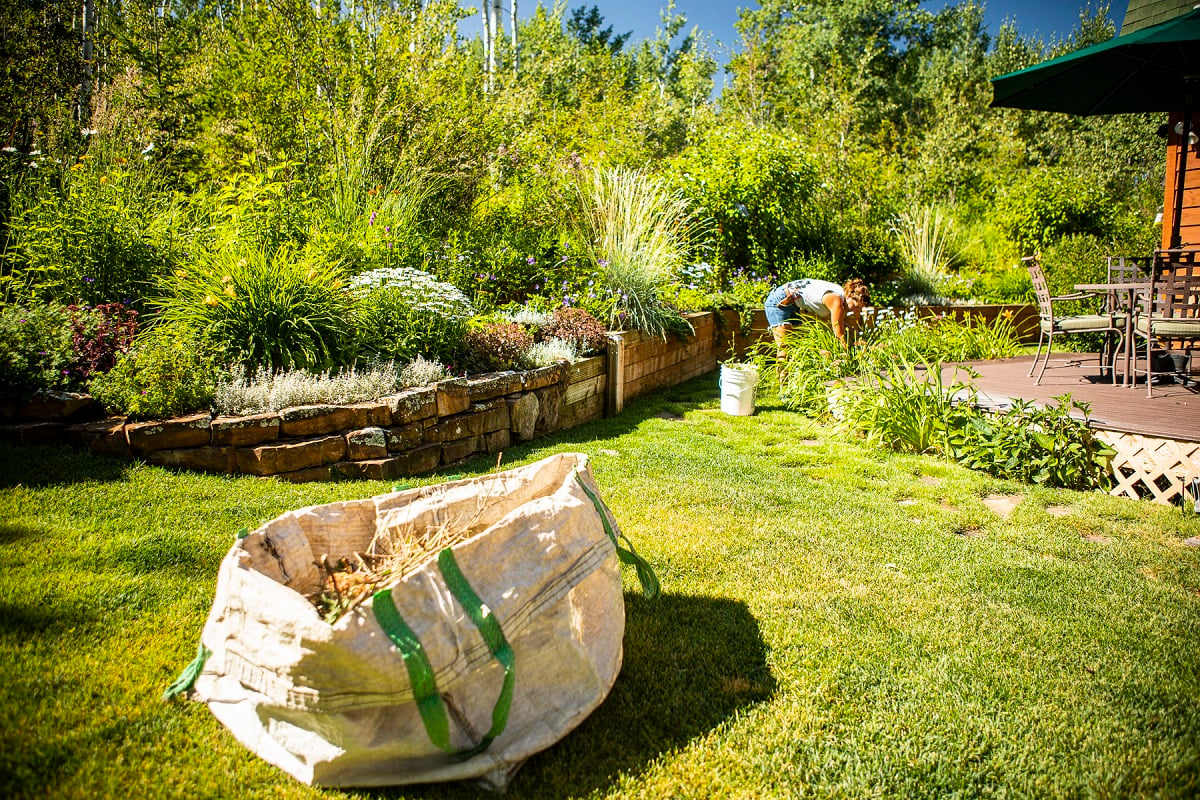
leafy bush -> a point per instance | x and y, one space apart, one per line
167 373
753 188
266 391
99 335
581 330
279 310
1047 446
403 313
910 407
1048 203
103 235
35 349
496 346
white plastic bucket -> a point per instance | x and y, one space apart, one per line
738 384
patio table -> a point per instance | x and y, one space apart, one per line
1131 290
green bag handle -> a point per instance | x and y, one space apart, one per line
651 588
420 672
187 678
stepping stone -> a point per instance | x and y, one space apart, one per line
1098 539
1002 504
1192 542
929 480
1058 511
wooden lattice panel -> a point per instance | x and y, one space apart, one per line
1153 468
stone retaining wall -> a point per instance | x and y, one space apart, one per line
412 432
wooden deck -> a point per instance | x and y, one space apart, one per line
1173 413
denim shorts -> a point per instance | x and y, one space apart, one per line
781 316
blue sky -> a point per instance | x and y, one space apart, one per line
1047 19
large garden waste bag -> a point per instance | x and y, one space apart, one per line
439 633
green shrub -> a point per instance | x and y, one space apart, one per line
103 235
1048 203
910 407
753 190
167 373
35 349
402 313
1047 446
279 310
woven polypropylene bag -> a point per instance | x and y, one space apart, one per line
340 705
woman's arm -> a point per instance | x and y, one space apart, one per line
837 314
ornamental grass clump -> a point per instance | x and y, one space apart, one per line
636 234
402 313
926 245
276 310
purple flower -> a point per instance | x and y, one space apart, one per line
537 287
604 262
372 220
387 228
530 260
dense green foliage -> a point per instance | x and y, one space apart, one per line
233 171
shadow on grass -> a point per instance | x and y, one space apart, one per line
690 664
40 466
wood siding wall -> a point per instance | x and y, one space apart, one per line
1189 229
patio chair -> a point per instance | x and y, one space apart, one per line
1110 322
1170 312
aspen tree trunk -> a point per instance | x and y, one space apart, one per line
84 112
513 22
487 45
493 35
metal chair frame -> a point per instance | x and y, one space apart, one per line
1170 311
1109 322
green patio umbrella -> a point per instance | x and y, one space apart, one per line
1152 69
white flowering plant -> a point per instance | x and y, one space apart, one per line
403 313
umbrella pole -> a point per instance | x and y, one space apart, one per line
1176 239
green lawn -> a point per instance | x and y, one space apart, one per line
836 622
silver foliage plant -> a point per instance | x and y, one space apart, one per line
266 392
551 351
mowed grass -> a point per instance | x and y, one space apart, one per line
837 621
